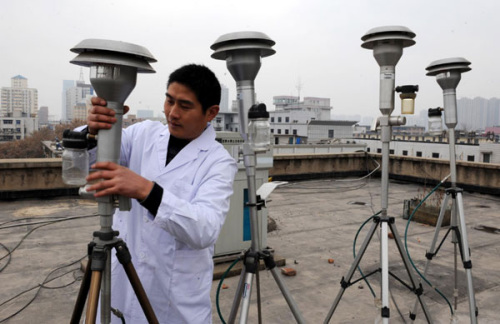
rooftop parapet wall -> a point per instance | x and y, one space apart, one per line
472 176
23 178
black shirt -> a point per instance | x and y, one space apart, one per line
153 200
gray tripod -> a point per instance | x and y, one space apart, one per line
448 74
242 52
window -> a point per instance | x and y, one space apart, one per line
286 131
18 122
405 152
272 119
368 149
330 133
419 153
218 120
279 131
486 157
290 140
294 132
7 121
470 158
435 155
276 140
279 119
272 130
379 150
391 151
287 119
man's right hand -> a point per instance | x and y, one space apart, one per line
100 116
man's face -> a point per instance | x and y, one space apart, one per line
184 114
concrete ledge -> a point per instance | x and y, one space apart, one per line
22 178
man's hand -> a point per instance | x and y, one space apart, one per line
100 116
113 179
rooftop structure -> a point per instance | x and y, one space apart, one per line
316 221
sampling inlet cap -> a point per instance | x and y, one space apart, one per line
457 64
102 51
385 33
245 40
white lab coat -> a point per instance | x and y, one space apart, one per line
172 253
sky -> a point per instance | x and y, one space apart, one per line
318 45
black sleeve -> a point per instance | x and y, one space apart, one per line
153 200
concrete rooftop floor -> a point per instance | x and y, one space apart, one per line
316 220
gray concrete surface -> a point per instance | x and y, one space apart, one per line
317 220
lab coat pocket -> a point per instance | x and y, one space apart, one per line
192 274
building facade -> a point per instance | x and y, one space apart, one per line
467 148
75 99
18 99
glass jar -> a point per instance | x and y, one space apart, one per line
75 160
259 135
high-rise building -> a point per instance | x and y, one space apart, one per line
43 115
477 114
66 85
18 100
224 99
75 99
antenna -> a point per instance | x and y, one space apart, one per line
299 87
81 75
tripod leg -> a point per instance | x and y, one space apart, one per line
429 255
271 265
288 297
466 258
384 257
251 264
406 261
99 257
84 289
95 286
346 283
257 284
237 297
123 255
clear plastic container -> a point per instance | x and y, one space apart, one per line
75 166
259 135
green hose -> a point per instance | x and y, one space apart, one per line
220 285
408 252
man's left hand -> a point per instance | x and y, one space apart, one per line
113 179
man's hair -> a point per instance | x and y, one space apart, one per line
201 80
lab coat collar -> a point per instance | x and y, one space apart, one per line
188 153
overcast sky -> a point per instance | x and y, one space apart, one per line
317 45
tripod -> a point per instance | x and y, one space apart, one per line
459 236
448 74
252 257
99 252
383 221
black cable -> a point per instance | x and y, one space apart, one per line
10 257
57 218
35 228
39 286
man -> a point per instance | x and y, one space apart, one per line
181 181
